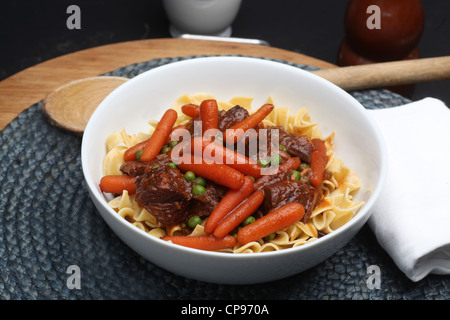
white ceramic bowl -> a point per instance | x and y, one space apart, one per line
358 143
206 17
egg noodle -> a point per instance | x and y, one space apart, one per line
336 208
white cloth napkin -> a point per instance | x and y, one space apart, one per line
411 219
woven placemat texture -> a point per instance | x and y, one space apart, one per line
49 223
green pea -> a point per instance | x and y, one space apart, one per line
154 167
166 149
248 220
172 165
194 221
198 189
200 181
173 144
281 147
296 174
189 175
275 159
138 154
263 163
269 237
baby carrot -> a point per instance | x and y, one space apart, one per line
215 151
237 131
217 172
230 201
130 153
117 183
159 136
203 242
209 115
238 215
319 161
273 221
191 110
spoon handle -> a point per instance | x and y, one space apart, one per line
387 74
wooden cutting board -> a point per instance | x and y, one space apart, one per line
31 85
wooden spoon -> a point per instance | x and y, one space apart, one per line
387 74
70 106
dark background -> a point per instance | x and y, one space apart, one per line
35 31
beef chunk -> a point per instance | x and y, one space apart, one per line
134 168
227 119
297 146
265 139
163 184
284 192
264 181
203 204
232 117
170 213
138 168
165 193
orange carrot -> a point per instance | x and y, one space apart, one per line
191 110
117 183
130 153
208 242
174 131
159 136
273 221
234 133
238 215
209 115
288 165
319 161
209 149
217 172
230 201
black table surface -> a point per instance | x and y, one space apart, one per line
35 31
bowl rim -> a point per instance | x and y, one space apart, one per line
363 213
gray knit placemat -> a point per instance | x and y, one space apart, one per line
49 223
